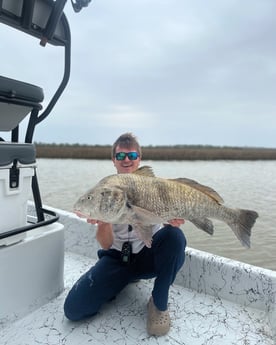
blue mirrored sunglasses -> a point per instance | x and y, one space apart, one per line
132 156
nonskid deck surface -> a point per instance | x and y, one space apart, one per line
197 319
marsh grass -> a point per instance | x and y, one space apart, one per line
177 152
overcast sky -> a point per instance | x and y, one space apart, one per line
170 71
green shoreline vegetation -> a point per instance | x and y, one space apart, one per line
174 152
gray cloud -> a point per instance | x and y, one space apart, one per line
171 71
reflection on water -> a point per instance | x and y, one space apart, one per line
242 184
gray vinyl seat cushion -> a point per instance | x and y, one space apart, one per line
15 89
17 99
21 152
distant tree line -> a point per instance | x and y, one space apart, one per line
175 152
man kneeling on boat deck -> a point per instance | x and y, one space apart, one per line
125 258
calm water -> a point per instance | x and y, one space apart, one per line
243 184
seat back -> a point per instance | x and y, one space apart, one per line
17 99
45 20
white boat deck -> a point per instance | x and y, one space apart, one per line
213 301
197 319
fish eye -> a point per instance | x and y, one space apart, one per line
89 197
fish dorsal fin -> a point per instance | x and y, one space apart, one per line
145 170
204 189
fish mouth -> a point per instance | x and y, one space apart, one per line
80 214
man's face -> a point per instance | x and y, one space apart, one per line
126 165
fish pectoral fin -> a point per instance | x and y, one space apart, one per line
143 216
204 224
144 232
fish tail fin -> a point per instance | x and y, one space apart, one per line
245 219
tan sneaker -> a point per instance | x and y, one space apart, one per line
158 322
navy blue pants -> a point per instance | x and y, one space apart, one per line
109 275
